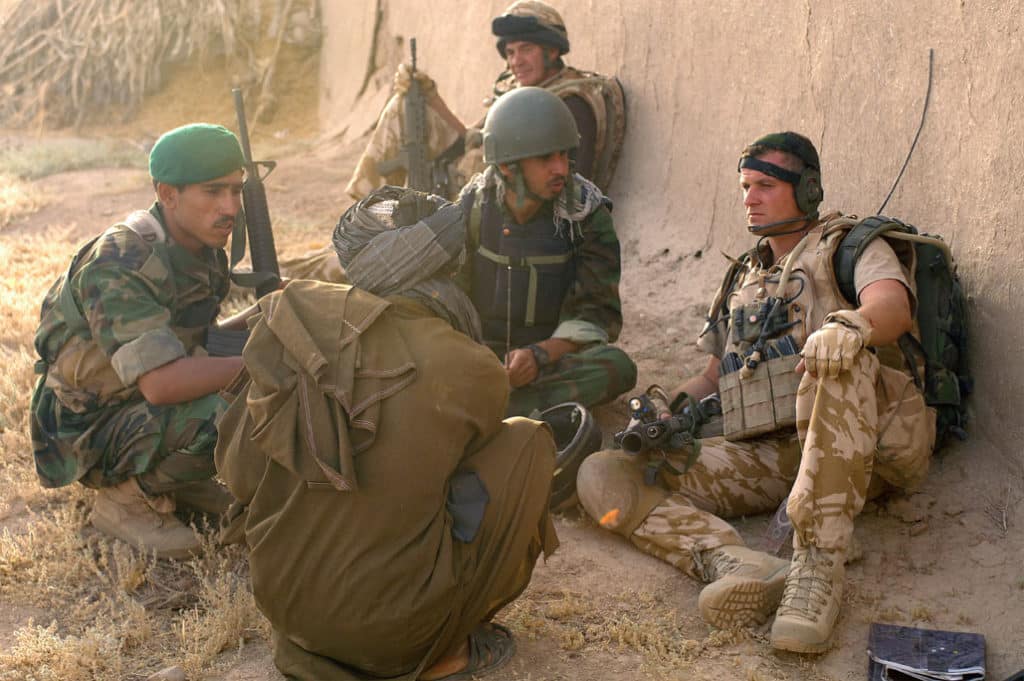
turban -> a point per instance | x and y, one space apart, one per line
398 241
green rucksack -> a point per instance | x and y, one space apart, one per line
941 318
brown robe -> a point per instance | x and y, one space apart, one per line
357 413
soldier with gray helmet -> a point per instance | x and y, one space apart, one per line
532 40
817 410
543 259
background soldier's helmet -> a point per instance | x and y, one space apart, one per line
532 21
527 122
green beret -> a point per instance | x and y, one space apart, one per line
195 153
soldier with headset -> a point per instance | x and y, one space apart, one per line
841 419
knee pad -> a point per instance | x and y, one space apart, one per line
611 488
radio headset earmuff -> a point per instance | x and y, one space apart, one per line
807 187
808 191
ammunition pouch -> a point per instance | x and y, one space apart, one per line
764 402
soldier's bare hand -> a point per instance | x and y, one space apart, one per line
830 350
521 367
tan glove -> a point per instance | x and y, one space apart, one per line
831 349
403 79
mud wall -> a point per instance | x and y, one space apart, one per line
703 78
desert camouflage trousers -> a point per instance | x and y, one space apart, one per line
592 376
164 446
871 420
386 142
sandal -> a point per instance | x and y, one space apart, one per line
491 646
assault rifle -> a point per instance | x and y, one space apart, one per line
421 173
646 431
254 218
266 276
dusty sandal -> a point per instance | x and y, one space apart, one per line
491 646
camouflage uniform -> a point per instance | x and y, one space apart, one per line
870 420
129 303
590 313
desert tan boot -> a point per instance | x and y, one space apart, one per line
147 523
810 604
205 496
745 588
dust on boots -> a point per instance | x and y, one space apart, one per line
746 586
146 522
810 603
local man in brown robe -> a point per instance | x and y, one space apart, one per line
389 509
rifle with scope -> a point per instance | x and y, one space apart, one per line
646 431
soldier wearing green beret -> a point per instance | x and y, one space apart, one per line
127 398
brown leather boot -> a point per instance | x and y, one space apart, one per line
810 604
147 523
745 587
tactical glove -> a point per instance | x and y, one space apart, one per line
831 349
403 79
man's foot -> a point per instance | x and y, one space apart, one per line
204 496
488 648
745 588
147 523
810 604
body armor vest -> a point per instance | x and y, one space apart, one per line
521 274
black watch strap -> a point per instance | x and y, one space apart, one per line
540 355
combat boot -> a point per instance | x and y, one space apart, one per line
810 603
204 496
745 587
147 523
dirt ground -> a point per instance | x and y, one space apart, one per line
947 557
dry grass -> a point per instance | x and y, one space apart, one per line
115 613
64 63
16 199
30 160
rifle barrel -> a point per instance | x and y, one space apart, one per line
243 127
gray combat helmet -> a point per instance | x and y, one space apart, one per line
527 122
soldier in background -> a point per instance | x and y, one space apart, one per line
532 39
127 399
543 268
858 423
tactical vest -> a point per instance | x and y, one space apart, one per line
521 274
764 401
811 292
74 365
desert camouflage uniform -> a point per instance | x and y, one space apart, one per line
127 305
870 420
575 86
590 315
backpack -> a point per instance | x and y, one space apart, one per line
941 318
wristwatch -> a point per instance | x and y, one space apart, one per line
540 355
